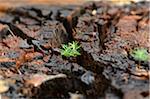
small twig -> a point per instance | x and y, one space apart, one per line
10 31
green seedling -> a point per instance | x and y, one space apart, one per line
70 49
140 54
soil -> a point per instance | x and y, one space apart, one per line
32 66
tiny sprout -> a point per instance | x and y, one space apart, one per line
140 54
70 49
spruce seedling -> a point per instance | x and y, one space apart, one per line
140 54
70 49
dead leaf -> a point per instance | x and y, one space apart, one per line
3 86
38 79
140 74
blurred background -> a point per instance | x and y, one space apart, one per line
22 2
5 4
